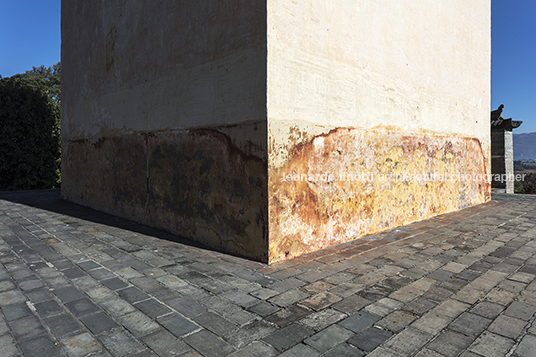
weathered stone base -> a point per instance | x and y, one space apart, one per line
194 183
219 191
347 183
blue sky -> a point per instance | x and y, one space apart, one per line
513 60
30 36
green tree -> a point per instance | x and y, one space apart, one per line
30 129
518 187
52 80
527 186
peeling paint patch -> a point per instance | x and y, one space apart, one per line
194 183
351 182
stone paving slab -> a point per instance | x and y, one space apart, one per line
76 282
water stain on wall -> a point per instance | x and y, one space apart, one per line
194 183
333 188
350 182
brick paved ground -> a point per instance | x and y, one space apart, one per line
75 282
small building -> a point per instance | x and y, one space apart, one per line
502 151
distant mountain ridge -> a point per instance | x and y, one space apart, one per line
525 146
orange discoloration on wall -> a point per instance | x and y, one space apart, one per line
323 201
201 185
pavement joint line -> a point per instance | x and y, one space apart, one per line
512 219
520 337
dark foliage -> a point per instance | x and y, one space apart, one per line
29 130
527 186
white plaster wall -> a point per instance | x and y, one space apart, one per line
156 65
203 96
415 64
